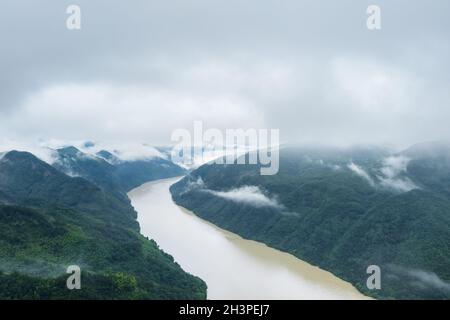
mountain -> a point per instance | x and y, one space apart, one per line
342 210
108 170
76 163
430 165
49 220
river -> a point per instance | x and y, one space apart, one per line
232 267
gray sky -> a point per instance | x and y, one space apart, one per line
137 70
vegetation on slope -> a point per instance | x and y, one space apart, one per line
49 221
343 210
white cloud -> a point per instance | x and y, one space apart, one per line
392 174
126 151
251 195
393 167
193 185
140 84
126 113
46 149
430 279
402 185
374 88
123 151
45 154
360 172
422 278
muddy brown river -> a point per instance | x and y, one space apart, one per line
232 267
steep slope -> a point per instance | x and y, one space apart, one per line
28 181
342 210
49 221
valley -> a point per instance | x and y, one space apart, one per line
147 228
232 267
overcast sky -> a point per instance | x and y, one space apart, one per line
137 70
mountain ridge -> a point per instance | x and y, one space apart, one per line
49 220
340 212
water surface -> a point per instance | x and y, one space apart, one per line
232 267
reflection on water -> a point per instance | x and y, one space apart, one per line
232 267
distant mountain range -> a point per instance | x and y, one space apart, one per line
342 210
107 170
76 212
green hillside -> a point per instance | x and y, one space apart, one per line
343 210
49 221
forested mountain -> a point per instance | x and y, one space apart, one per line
343 210
49 220
107 170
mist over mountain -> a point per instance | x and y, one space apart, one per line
343 210
50 220
89 113
107 169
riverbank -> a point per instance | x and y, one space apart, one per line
233 267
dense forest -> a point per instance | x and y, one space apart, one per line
49 220
342 210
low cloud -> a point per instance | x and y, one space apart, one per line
393 168
402 185
45 149
421 278
392 174
430 279
251 195
195 185
360 172
44 153
394 165
127 152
